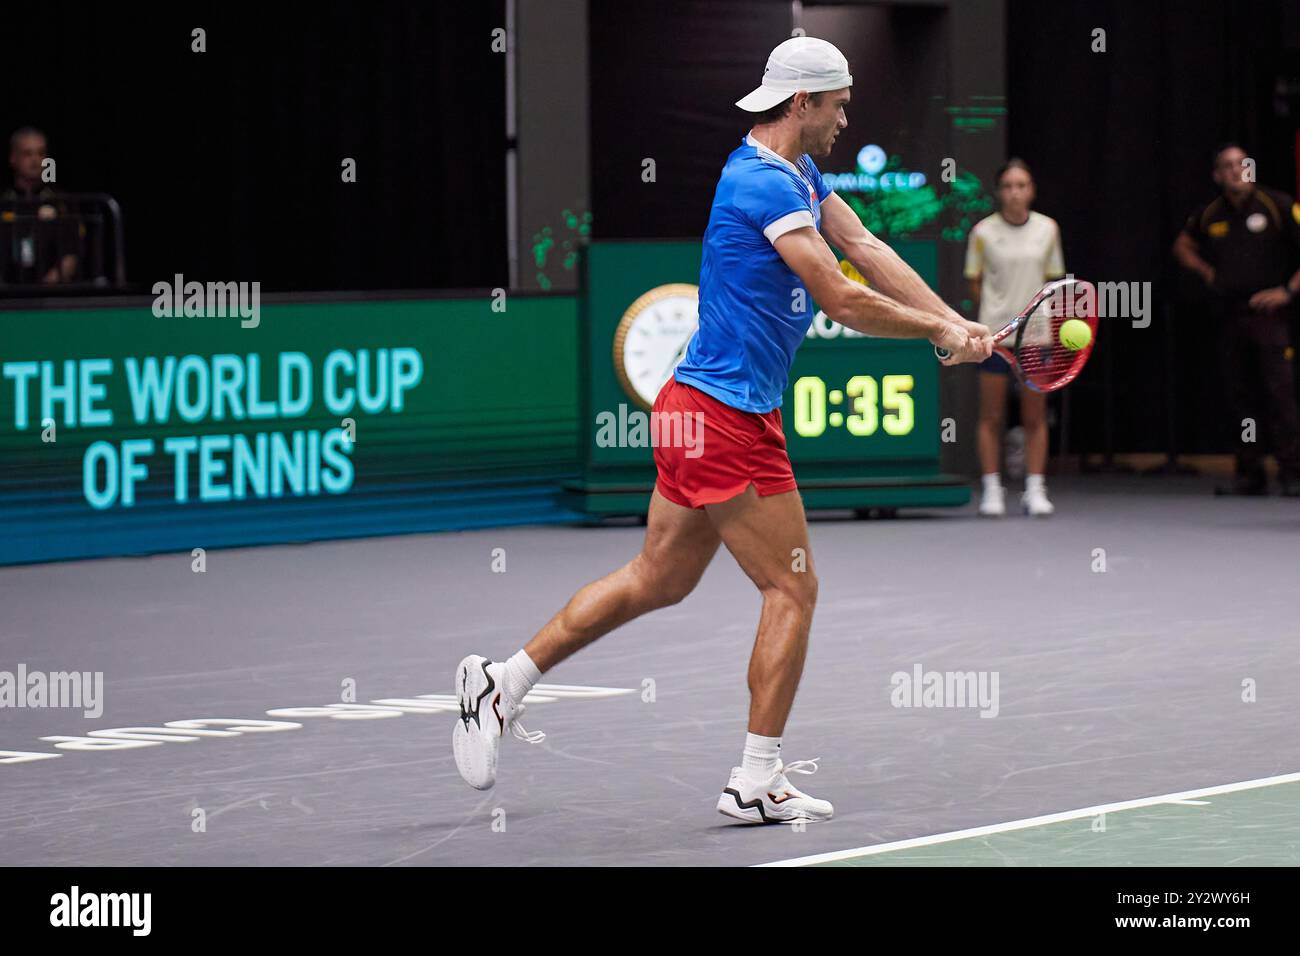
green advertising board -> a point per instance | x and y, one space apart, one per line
122 431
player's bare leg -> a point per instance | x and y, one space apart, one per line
768 536
679 544
1033 416
992 423
769 539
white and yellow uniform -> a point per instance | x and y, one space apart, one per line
1012 263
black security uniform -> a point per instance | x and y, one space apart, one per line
1254 248
36 231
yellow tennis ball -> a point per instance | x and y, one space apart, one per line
1075 334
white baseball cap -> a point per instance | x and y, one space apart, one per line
800 63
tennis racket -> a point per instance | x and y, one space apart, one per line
1031 341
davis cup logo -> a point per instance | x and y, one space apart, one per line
871 159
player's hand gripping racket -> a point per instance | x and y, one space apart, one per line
1048 343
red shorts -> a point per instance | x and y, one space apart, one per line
719 453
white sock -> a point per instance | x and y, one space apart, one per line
761 756
992 481
1034 483
520 676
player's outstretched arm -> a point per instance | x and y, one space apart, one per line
867 311
879 264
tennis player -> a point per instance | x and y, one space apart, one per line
765 261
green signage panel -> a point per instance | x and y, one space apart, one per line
123 431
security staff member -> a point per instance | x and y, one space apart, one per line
1246 245
38 238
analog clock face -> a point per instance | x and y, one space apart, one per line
652 338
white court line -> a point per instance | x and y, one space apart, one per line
1026 824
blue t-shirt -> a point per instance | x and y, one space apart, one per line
751 320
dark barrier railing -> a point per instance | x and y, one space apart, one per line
37 235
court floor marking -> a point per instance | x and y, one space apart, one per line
1184 797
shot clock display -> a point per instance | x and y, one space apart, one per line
811 399
861 414
860 400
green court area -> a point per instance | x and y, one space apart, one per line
1256 823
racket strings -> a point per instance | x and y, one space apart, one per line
1041 356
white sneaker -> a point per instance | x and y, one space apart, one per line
485 713
993 502
1035 503
774 799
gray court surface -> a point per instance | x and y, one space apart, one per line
1112 686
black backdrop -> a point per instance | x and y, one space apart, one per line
227 163
1120 144
664 77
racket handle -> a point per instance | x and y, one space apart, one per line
940 352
